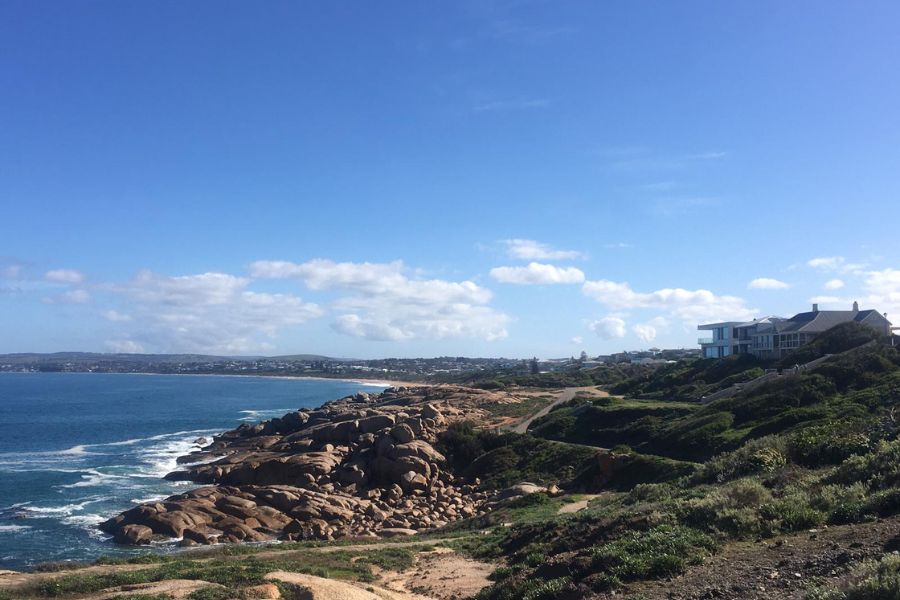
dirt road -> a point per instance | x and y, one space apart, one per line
566 395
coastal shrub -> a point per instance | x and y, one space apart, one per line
868 580
791 512
650 492
841 503
509 458
663 551
884 502
760 456
880 469
390 559
732 510
210 593
461 443
528 589
828 444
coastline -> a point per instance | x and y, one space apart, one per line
367 382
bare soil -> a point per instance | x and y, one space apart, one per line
781 568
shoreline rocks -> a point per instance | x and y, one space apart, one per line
361 466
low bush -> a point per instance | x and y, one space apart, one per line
879 469
828 444
761 456
660 552
869 580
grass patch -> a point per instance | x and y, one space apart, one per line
661 552
868 580
524 408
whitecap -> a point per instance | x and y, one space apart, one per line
13 528
86 520
93 477
54 511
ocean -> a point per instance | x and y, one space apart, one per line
78 448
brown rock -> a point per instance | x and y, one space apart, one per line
267 591
403 433
134 535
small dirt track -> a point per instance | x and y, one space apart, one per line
566 395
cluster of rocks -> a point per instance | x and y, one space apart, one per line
364 465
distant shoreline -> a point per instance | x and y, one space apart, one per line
369 382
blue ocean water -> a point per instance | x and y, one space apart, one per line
77 448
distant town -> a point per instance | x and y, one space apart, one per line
447 368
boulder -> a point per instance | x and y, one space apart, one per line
265 591
403 433
390 532
375 423
135 535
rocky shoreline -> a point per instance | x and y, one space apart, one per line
362 466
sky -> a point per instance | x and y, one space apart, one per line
482 178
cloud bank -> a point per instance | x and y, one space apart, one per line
537 273
383 303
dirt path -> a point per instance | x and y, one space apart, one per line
439 574
320 588
580 504
566 395
442 574
776 569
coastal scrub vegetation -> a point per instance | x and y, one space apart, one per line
815 448
232 573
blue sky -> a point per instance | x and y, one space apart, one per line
376 179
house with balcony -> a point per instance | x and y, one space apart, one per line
772 337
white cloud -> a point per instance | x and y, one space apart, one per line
767 283
691 306
834 284
608 327
831 301
116 317
78 296
835 263
11 272
577 340
537 273
64 276
644 331
208 313
532 250
883 292
124 347
353 324
618 245
384 303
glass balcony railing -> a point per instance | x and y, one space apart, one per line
704 340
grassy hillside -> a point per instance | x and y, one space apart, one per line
816 448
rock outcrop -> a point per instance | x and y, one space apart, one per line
364 465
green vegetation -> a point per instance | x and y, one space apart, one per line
869 580
820 447
525 408
660 552
503 459
679 479
692 379
233 574
839 403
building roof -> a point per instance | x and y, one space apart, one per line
820 321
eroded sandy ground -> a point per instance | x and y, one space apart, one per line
439 574
781 568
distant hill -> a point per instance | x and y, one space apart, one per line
34 358
56 357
